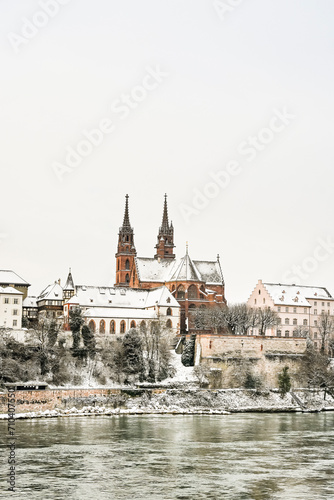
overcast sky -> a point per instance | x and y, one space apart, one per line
225 106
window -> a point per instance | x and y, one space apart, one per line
286 333
294 321
14 322
295 309
127 278
122 328
315 335
315 303
6 301
192 292
323 304
180 292
16 301
169 312
133 324
15 312
305 322
255 301
112 326
286 309
295 333
259 292
279 321
91 326
169 323
279 309
287 321
305 310
279 333
127 264
315 344
328 304
315 322
102 328
315 311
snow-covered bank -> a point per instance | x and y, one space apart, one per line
190 402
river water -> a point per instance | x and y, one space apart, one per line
238 456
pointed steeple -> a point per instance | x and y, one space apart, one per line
165 225
165 243
69 288
126 220
126 251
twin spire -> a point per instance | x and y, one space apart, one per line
165 243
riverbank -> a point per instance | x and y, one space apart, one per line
190 401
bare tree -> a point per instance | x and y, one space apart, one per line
267 317
325 326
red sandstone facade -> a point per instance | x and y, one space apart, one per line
194 284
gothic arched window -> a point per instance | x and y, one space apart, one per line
102 328
169 312
181 294
92 326
127 278
133 324
169 323
112 326
127 264
192 292
122 329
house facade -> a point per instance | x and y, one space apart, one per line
10 308
298 308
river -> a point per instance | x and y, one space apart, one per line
237 456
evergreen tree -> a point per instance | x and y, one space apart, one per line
188 355
133 354
284 381
76 322
89 340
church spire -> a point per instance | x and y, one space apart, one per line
126 220
126 251
165 243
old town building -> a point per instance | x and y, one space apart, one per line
194 283
10 307
9 278
298 307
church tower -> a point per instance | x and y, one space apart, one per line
126 251
165 244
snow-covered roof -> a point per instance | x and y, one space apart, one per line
113 297
184 269
119 312
69 285
30 302
295 295
11 278
9 290
51 292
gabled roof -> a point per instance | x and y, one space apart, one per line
9 290
30 302
116 297
165 270
51 292
296 295
11 278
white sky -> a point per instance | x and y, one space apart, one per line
225 79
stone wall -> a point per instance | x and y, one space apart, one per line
232 358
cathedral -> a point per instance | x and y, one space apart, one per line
193 283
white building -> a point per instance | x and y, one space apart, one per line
114 310
10 307
298 308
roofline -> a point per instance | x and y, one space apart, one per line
11 271
300 286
